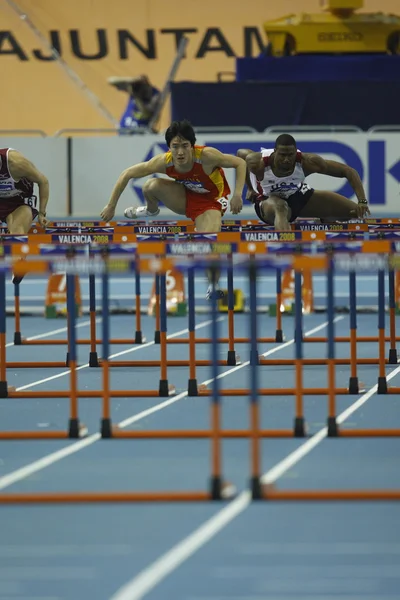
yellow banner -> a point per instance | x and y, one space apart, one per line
98 39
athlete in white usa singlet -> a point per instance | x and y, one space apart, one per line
276 185
284 187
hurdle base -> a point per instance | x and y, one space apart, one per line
17 338
299 427
192 387
106 428
67 360
93 359
231 359
216 488
256 488
254 358
393 356
3 389
157 337
353 385
382 385
163 389
138 337
279 337
333 430
74 428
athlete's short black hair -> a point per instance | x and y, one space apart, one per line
181 129
285 140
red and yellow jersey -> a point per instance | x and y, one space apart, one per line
211 187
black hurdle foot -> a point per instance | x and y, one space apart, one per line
254 358
157 337
392 356
106 428
279 335
138 337
382 385
3 389
73 429
192 387
17 338
163 389
353 385
93 360
256 489
231 359
299 427
67 360
216 488
333 430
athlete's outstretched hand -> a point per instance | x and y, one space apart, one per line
107 213
236 204
363 210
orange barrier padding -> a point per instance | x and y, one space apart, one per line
56 296
288 299
176 297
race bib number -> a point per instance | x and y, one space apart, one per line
304 188
32 201
224 204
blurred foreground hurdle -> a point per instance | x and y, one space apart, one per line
103 265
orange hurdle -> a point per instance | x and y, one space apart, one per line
75 428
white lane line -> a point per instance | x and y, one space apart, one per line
122 353
149 578
54 332
54 457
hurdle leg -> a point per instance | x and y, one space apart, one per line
73 429
216 480
3 375
382 382
353 381
105 427
157 309
164 389
299 425
192 384
254 356
68 355
392 318
231 359
138 333
279 331
330 290
93 357
17 315
255 463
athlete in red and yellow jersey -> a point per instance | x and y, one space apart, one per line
197 188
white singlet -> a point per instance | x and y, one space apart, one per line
284 187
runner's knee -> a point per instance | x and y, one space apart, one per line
151 186
281 206
273 206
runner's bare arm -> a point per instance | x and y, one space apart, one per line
150 167
312 163
214 158
255 164
251 192
22 167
